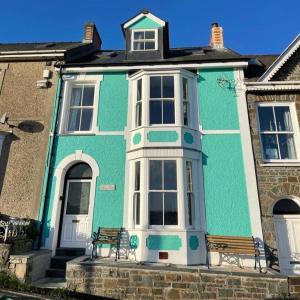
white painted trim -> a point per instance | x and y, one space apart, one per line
281 60
32 51
84 69
295 131
140 16
144 40
249 165
60 172
220 131
280 164
273 86
32 55
68 83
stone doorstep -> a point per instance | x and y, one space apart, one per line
222 270
31 254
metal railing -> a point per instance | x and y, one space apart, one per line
13 229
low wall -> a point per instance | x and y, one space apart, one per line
131 281
30 266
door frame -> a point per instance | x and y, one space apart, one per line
64 206
53 218
276 218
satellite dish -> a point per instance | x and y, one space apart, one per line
3 118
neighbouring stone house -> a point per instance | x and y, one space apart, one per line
152 139
28 84
273 97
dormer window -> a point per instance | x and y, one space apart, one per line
144 40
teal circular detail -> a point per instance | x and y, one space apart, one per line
188 138
194 242
134 241
137 138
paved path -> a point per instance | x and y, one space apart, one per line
9 295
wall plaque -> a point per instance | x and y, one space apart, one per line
107 187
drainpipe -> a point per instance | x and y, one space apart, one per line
42 209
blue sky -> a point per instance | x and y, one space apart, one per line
250 26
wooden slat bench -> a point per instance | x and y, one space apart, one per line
233 245
110 236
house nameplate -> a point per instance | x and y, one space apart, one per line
107 187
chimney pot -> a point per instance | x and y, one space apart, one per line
91 35
216 38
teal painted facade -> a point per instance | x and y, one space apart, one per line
145 23
225 193
163 242
113 102
162 136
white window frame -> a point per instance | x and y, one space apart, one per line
144 40
68 84
162 226
192 192
295 131
178 98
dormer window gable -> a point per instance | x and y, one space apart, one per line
146 37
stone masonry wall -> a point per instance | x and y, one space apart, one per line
274 182
141 282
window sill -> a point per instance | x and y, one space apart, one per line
280 164
77 134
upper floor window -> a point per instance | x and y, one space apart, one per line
185 101
80 112
162 108
278 129
144 40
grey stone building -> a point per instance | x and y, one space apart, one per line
27 91
273 98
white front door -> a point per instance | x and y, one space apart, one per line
288 241
77 211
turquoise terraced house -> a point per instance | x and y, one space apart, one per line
155 140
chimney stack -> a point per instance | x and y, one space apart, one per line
216 39
91 35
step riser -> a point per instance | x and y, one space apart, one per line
59 262
56 273
70 252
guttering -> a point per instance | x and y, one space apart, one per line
273 86
69 69
32 53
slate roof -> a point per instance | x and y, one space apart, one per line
174 55
39 46
258 64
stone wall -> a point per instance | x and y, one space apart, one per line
274 182
125 281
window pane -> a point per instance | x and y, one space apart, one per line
149 45
189 179
170 175
137 176
185 113
266 118
168 112
139 90
156 208
168 87
140 35
149 35
155 178
74 119
76 96
86 119
78 198
184 88
270 148
287 146
155 112
80 171
138 46
155 87
138 114
190 208
137 208
283 118
88 96
170 205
